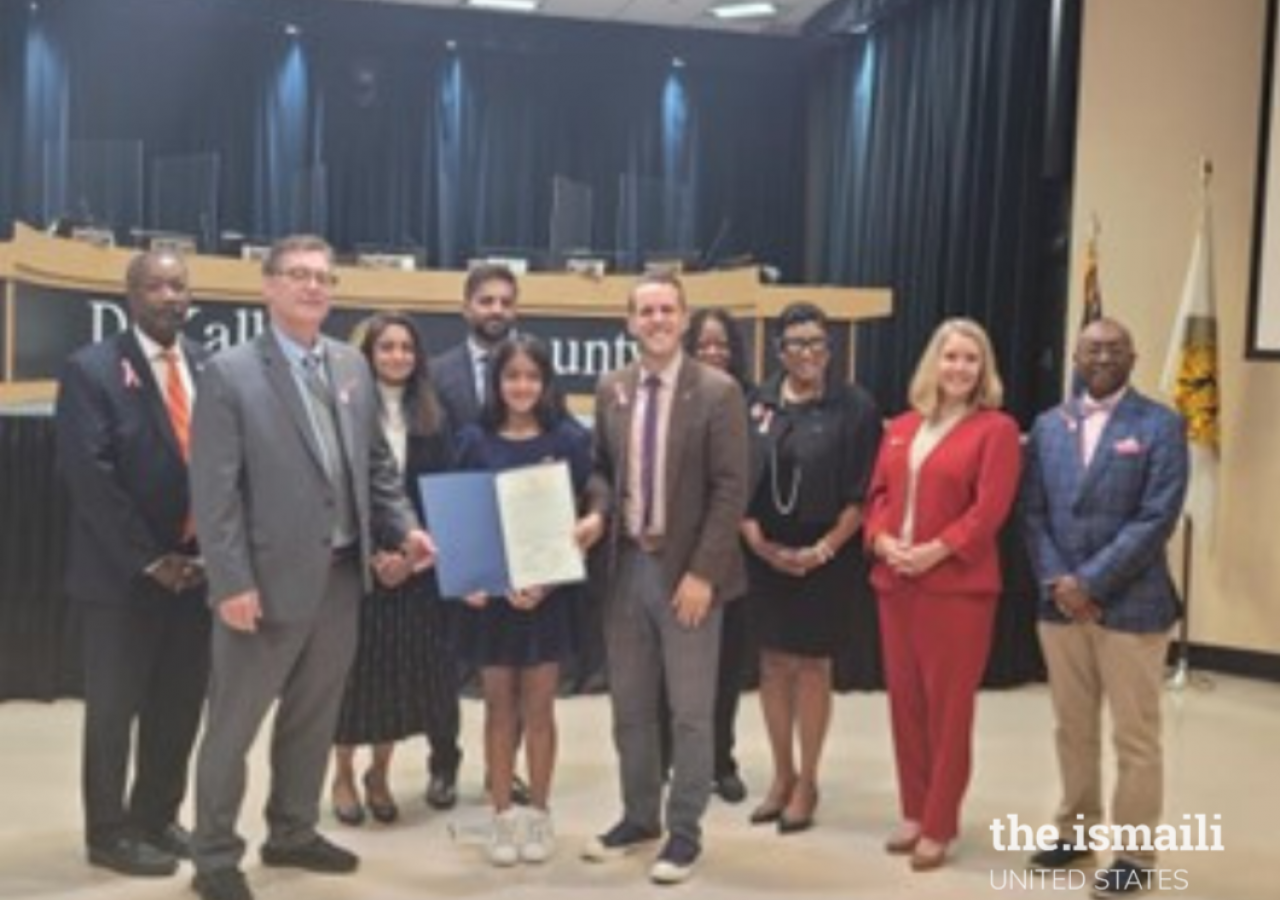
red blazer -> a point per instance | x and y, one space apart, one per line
966 488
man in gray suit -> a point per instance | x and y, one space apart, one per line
671 482
294 488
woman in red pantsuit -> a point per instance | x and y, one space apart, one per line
943 485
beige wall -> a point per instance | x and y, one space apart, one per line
1165 82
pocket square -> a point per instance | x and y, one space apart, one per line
1128 447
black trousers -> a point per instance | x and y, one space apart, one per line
146 668
733 658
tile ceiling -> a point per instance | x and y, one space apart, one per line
792 14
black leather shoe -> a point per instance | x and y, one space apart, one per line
730 788
172 839
222 884
132 856
442 790
1061 855
317 855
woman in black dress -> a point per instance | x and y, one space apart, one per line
814 442
403 681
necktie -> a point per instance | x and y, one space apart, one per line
649 451
1093 416
325 418
482 377
177 403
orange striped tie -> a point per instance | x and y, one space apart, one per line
177 403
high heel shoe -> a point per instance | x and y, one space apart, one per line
346 804
928 855
377 796
803 822
903 840
770 809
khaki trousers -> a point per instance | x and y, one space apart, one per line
1088 664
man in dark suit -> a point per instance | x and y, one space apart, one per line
294 489
123 417
490 295
1105 478
671 484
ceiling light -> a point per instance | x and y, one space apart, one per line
506 5
730 11
292 30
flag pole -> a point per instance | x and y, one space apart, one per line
1180 676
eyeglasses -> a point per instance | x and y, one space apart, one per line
800 345
706 346
301 275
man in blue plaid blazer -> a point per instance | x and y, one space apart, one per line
1103 487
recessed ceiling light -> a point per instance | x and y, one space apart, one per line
292 30
744 11
677 62
506 5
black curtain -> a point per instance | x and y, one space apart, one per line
385 125
12 36
927 175
39 642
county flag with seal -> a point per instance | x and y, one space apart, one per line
1191 375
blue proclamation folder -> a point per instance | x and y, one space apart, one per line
465 524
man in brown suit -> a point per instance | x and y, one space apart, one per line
671 482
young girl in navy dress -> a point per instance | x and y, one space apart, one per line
519 642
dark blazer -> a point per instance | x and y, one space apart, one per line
455 381
119 459
706 476
1108 524
964 492
263 503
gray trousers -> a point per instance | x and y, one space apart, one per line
648 649
304 665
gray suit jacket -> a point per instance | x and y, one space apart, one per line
706 473
263 504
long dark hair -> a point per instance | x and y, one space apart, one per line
737 346
550 409
421 408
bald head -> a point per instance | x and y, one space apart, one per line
1104 357
159 298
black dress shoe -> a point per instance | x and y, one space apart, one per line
730 788
317 855
172 839
1061 855
222 884
132 856
442 790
